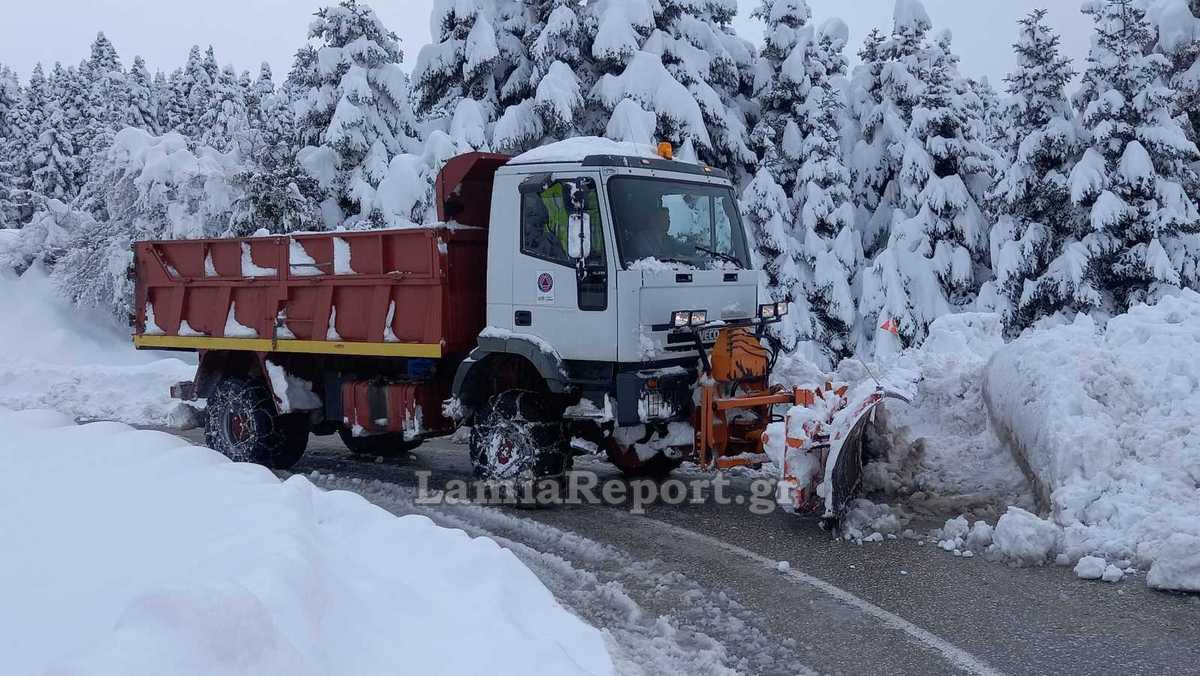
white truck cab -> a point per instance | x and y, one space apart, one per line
606 264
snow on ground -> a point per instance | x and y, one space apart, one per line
1107 418
74 361
943 454
169 554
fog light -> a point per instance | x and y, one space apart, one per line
767 311
781 309
680 318
699 317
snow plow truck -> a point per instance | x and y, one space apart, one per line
586 297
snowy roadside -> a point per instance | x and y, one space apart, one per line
75 361
1106 417
169 554
1103 420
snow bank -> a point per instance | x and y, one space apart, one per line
169 554
942 449
75 360
1107 420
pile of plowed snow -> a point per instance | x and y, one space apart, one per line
132 552
943 454
77 361
1109 420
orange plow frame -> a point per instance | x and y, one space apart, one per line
710 445
735 411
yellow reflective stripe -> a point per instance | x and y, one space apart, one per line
431 351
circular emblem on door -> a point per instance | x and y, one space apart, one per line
545 282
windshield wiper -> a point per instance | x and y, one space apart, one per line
717 254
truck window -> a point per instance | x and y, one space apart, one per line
677 221
544 228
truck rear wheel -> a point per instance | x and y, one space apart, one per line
244 426
518 436
379 445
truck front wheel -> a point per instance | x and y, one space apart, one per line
243 425
518 436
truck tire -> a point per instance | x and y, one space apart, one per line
244 426
379 445
518 436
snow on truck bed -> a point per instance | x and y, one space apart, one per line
133 552
77 361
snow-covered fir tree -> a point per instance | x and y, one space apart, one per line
192 94
464 73
987 110
106 111
1133 177
355 115
260 89
277 194
1178 39
23 120
699 48
885 88
629 74
225 124
143 110
831 245
780 76
49 147
10 95
767 210
170 102
937 250
1036 241
561 72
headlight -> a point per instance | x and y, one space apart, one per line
767 311
684 318
781 308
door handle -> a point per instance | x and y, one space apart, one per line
523 318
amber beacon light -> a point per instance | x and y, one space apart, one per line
665 150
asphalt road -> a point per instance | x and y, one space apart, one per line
697 588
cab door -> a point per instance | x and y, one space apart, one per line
567 301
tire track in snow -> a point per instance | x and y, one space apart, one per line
657 620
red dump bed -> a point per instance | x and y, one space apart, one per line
412 293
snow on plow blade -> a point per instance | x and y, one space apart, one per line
819 447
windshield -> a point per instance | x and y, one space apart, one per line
695 224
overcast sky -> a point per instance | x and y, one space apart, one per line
246 32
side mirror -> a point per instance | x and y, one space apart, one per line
579 235
576 193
